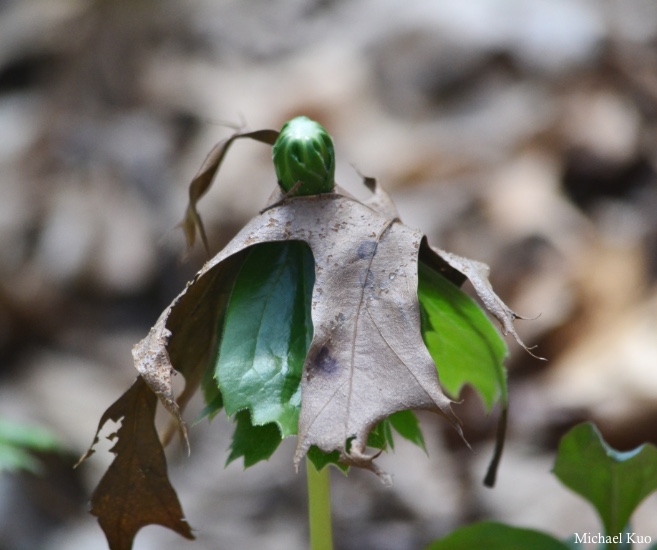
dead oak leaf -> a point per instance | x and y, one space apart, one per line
202 181
367 358
184 339
455 268
135 491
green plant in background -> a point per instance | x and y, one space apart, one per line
613 482
19 442
325 318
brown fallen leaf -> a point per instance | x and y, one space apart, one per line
135 491
184 338
202 181
367 358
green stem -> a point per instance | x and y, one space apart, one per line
319 507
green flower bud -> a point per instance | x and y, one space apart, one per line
304 153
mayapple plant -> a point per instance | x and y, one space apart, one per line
614 483
325 318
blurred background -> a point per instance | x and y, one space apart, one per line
518 132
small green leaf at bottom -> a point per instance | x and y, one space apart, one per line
254 443
406 424
320 459
614 482
496 536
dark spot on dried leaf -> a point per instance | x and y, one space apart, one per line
324 362
366 250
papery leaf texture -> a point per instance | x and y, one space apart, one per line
367 359
202 181
135 491
265 339
184 339
613 482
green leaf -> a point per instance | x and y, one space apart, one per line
381 436
614 482
254 443
16 442
211 409
28 437
266 335
214 401
624 540
496 536
463 343
406 424
320 459
16 458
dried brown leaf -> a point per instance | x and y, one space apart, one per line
380 200
477 273
367 358
202 181
184 339
456 268
135 491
